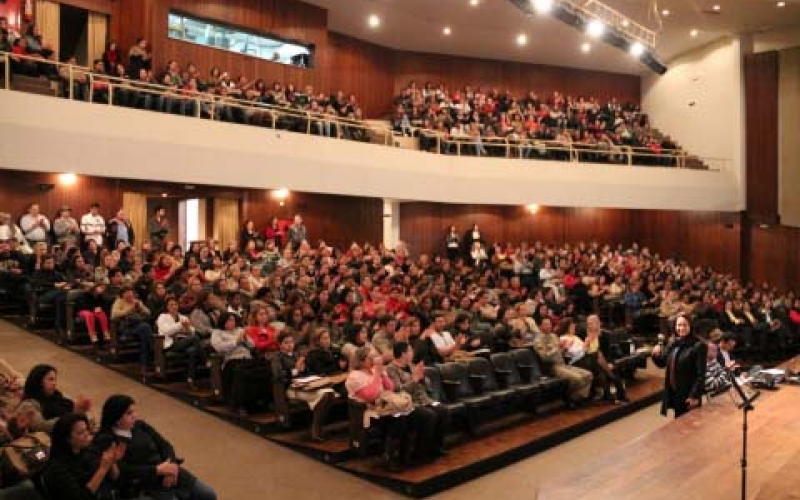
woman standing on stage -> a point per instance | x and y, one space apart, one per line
685 360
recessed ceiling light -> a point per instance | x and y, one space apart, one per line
446 31
474 3
637 49
522 39
781 5
665 12
595 28
693 32
374 21
717 7
543 6
625 23
586 48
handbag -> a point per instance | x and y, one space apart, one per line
391 403
24 457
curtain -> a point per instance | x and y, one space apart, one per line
97 29
226 221
48 17
135 205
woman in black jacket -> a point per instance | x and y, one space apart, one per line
150 465
72 473
40 385
685 361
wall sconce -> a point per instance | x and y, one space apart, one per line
280 195
533 208
67 179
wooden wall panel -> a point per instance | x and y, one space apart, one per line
104 6
363 69
10 9
701 238
339 220
774 252
761 107
519 78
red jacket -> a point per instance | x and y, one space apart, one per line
263 339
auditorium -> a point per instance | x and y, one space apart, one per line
394 249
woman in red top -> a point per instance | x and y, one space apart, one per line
163 269
261 334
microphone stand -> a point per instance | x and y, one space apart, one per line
746 406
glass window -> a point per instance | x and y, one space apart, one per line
220 36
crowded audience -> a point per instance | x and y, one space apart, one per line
282 309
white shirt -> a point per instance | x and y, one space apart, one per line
33 231
169 328
442 340
726 356
93 224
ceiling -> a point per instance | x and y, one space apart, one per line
490 29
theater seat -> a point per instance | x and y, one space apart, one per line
433 383
481 372
552 389
507 374
455 378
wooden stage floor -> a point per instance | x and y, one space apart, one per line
697 457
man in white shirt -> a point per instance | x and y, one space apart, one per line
34 225
93 226
445 344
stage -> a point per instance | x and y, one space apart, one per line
698 457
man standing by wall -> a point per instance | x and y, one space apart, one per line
93 226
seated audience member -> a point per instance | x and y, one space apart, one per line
133 320
548 348
41 386
19 421
72 471
462 326
263 335
727 343
717 379
179 337
356 336
323 358
150 465
245 379
51 287
598 350
366 382
92 307
445 344
432 420
286 366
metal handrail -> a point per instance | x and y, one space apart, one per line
211 102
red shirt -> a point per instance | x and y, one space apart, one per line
264 339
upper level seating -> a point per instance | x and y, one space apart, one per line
464 122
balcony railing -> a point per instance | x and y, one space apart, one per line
80 84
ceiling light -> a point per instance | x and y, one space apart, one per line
625 23
595 28
665 12
586 48
374 21
522 39
446 31
717 7
532 208
637 49
474 3
694 32
164 195
543 6
281 193
781 5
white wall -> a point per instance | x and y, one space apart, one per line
56 135
699 102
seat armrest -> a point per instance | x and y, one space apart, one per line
525 372
477 382
503 377
451 390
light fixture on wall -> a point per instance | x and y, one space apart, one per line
280 194
67 179
532 208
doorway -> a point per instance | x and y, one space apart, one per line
74 27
